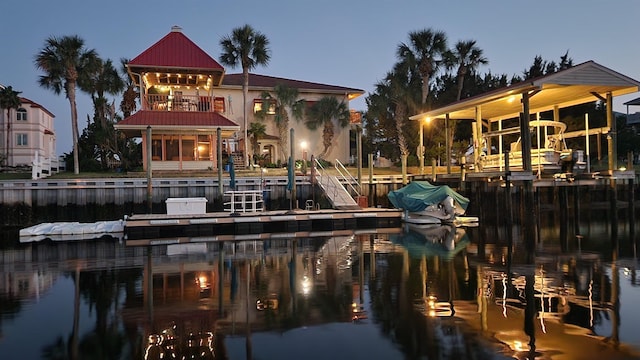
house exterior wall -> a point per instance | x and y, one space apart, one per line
313 138
36 130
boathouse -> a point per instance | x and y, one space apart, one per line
525 101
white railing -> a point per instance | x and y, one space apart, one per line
348 179
244 201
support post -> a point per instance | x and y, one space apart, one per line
294 202
421 147
448 143
149 173
220 184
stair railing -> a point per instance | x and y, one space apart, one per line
348 179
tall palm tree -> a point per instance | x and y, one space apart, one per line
424 53
130 95
102 78
248 48
9 99
257 130
324 112
64 60
397 86
466 56
286 101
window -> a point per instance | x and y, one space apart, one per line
218 104
21 139
257 106
204 147
21 115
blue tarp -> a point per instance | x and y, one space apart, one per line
419 244
232 174
417 195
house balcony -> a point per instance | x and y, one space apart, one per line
175 102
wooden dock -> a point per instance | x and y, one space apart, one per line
157 226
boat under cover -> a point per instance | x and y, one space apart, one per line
426 203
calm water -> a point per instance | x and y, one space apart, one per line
429 293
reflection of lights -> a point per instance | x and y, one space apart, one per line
544 328
306 285
203 283
438 308
591 303
504 295
358 312
517 346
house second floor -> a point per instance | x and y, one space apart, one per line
27 130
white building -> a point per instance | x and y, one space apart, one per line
27 138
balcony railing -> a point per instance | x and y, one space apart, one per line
162 102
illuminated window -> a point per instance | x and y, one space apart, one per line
204 148
258 103
218 104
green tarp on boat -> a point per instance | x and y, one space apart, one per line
417 195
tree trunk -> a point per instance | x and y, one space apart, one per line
71 92
8 135
245 94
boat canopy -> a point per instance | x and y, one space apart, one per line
418 195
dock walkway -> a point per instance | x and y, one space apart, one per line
146 226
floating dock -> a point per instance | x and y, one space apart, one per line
154 226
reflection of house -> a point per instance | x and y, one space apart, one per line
30 137
186 98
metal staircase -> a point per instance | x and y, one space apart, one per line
334 188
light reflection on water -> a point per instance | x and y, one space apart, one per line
422 293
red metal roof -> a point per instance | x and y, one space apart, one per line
177 51
256 80
184 119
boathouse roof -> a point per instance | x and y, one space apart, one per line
579 84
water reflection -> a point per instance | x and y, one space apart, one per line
417 292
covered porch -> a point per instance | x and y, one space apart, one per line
182 141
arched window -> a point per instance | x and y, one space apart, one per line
21 114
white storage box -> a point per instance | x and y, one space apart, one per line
186 206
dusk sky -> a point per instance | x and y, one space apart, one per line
345 43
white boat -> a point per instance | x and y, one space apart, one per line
549 151
66 231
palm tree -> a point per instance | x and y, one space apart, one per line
286 100
64 60
466 56
9 99
324 112
130 95
423 54
256 131
99 79
397 87
248 48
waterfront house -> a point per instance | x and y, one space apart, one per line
186 97
27 138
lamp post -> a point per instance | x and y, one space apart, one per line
303 145
421 147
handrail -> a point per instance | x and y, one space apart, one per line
347 179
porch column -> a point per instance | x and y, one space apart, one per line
612 137
525 135
477 139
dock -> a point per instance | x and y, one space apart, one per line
157 226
